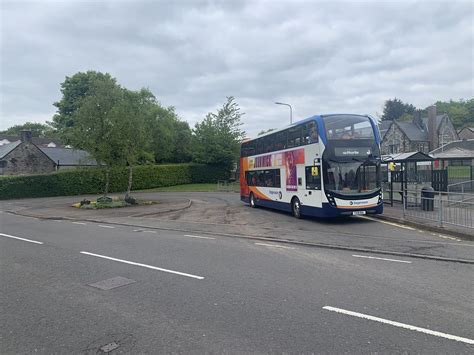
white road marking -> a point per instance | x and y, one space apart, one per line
400 325
373 257
24 239
389 223
81 223
274 246
197 236
102 226
149 231
143 265
445 237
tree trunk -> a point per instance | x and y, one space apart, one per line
107 181
130 175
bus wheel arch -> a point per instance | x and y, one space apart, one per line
296 207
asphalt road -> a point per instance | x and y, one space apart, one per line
193 292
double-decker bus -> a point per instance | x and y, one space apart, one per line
323 166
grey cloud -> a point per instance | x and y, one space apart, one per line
320 56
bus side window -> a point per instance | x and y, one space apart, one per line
313 182
269 178
294 137
310 133
277 178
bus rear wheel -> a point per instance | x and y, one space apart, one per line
296 207
252 200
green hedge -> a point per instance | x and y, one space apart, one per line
92 180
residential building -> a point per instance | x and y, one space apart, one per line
25 157
39 142
421 134
466 133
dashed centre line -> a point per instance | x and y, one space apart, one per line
81 223
23 239
143 265
274 246
103 226
384 259
400 325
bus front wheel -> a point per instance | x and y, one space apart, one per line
296 207
252 200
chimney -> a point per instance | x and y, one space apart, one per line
25 136
432 128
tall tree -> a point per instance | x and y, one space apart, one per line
171 137
396 108
74 90
217 138
94 128
460 112
131 134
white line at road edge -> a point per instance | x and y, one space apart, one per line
385 259
143 265
24 239
197 236
274 246
400 325
389 223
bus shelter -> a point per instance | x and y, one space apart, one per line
407 172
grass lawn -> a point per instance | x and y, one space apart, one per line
195 188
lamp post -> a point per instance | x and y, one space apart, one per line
291 110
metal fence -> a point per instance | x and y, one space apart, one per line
443 208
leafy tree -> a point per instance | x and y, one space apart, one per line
396 108
94 128
37 130
171 137
74 90
217 138
460 112
130 132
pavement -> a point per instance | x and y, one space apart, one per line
215 277
395 213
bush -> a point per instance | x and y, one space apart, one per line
92 180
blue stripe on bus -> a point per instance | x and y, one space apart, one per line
325 211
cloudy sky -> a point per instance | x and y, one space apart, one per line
321 57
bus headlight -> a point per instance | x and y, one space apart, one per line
331 201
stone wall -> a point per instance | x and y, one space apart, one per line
396 138
26 159
446 132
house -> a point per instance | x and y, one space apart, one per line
25 157
419 134
39 142
466 133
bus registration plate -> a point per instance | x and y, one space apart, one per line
355 213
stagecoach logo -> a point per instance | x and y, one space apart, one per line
358 203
